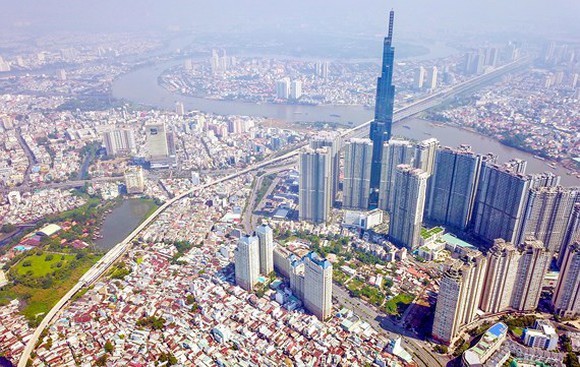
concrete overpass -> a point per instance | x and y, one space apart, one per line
116 252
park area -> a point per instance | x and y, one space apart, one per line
40 279
41 264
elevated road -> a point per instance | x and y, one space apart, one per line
61 185
116 252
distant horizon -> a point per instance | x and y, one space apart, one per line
420 19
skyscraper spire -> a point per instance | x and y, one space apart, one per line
391 24
381 126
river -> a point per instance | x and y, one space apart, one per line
122 220
5 362
140 86
418 129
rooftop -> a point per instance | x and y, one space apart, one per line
453 240
479 353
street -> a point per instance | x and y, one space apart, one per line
419 349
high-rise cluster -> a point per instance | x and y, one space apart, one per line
508 278
254 256
310 276
119 142
319 166
527 218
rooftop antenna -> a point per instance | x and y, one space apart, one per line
391 23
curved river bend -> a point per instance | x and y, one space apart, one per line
140 86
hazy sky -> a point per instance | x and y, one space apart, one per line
414 17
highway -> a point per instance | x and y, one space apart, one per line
29 155
60 185
107 261
417 348
116 252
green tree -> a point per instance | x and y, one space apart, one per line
102 361
109 348
571 360
8 228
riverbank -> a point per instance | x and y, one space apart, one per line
52 268
141 87
122 220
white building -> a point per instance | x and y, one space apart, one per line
119 142
542 335
357 174
247 262
459 295
432 80
420 77
318 285
283 88
566 297
409 204
395 152
315 185
296 90
134 180
14 197
266 242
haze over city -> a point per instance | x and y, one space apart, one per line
304 183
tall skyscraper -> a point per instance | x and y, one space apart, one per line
500 203
532 268
357 174
566 298
333 141
321 69
545 179
119 141
547 214
500 277
453 187
247 262
572 232
266 242
432 80
134 180
380 130
283 88
179 108
297 277
459 296
161 146
315 184
157 140
409 204
395 153
516 165
425 155
295 89
318 285
419 77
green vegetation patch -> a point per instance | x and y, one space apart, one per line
266 183
39 265
398 304
38 300
428 233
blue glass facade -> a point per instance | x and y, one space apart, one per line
380 130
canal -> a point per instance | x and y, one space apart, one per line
122 220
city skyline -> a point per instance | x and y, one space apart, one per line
277 196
